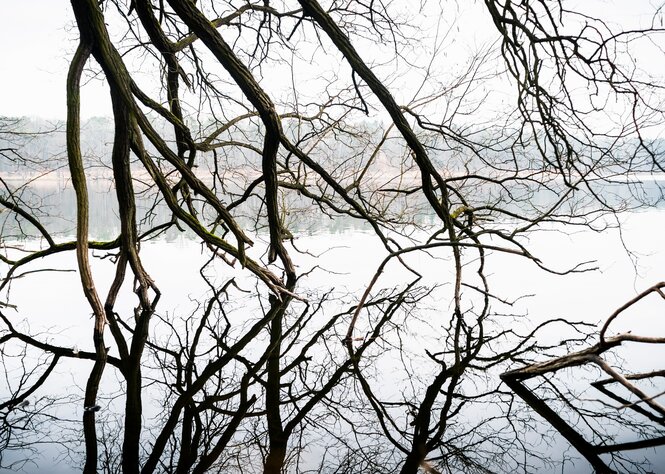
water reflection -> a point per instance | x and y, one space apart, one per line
351 255
53 201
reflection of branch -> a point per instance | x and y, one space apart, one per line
17 399
50 348
631 387
515 380
600 385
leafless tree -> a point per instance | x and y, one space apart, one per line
269 366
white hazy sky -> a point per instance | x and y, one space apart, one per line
38 38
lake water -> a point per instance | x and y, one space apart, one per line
53 305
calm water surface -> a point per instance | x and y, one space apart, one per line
54 306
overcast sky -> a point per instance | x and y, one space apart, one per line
38 38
